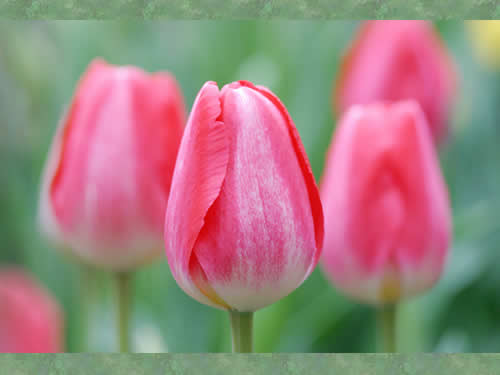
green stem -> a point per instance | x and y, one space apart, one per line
123 280
386 322
86 306
242 330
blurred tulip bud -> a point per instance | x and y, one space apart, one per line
108 174
398 60
30 319
387 214
485 38
244 224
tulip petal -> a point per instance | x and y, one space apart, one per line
52 173
312 188
197 181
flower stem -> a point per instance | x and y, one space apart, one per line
242 330
386 325
123 281
87 298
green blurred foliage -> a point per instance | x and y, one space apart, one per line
40 63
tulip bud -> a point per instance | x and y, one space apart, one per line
108 174
30 319
387 215
244 224
398 60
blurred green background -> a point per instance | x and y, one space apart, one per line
40 63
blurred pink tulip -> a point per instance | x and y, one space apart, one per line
244 224
398 60
107 178
30 319
387 214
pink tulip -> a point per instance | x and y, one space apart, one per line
398 60
107 178
244 224
387 215
31 321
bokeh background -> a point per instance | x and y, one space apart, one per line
40 63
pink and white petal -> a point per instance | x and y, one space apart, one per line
259 240
48 222
427 183
198 177
312 188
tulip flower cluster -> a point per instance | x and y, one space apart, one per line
232 197
386 206
387 213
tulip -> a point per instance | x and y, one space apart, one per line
108 174
244 223
31 320
387 214
398 60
